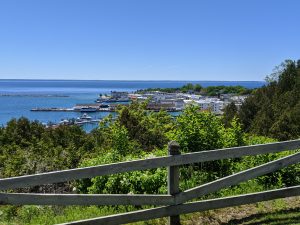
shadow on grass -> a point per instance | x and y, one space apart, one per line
264 218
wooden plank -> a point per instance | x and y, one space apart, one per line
237 178
88 172
84 199
173 179
199 206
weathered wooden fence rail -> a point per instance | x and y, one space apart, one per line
174 203
198 206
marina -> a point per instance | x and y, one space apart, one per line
85 109
80 121
51 101
157 100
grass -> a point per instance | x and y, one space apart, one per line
283 210
37 215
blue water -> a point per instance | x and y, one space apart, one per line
23 95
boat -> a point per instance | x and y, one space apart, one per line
102 106
114 97
64 122
88 109
85 116
102 98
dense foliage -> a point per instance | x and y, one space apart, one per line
193 130
230 112
215 90
274 110
197 88
28 147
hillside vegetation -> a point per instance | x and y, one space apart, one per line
274 110
28 147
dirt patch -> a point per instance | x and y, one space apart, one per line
239 214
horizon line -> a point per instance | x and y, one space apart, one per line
33 79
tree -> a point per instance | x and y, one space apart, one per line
198 131
230 111
187 87
197 88
146 128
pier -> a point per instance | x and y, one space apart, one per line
74 109
52 109
90 108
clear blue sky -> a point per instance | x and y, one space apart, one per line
147 39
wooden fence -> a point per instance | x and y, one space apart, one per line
174 203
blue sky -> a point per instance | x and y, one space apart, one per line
147 39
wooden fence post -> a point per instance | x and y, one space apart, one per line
173 179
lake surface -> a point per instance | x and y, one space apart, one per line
17 97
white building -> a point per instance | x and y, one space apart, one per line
218 107
204 104
212 104
179 104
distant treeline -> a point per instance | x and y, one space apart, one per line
197 88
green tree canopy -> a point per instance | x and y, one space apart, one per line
273 110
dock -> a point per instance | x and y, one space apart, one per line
97 110
72 110
52 109
99 107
